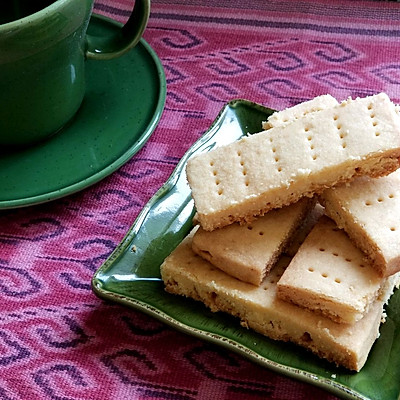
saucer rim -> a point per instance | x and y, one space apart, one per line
124 157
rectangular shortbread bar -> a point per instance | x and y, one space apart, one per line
288 115
369 211
328 275
278 166
185 273
248 252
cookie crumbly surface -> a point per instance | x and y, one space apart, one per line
369 211
329 276
278 166
248 252
283 117
258 307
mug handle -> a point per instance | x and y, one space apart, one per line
123 39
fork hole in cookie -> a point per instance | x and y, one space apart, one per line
324 275
213 296
311 269
306 338
337 280
392 228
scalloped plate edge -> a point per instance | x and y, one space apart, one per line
327 384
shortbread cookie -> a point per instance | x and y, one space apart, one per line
185 273
278 166
249 251
288 115
369 211
329 276
391 283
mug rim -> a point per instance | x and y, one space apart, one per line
36 16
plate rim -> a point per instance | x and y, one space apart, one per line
123 158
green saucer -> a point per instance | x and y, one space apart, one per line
124 101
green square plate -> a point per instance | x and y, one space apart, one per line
131 277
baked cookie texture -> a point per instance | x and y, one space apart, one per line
288 115
325 292
277 167
248 252
369 211
258 307
329 276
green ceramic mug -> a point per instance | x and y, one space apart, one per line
43 48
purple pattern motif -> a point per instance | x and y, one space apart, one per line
15 351
335 52
57 340
16 283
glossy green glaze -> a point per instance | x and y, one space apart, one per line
122 106
42 63
42 71
131 277
102 46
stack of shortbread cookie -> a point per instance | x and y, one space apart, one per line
297 227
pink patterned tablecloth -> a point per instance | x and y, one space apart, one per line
57 339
